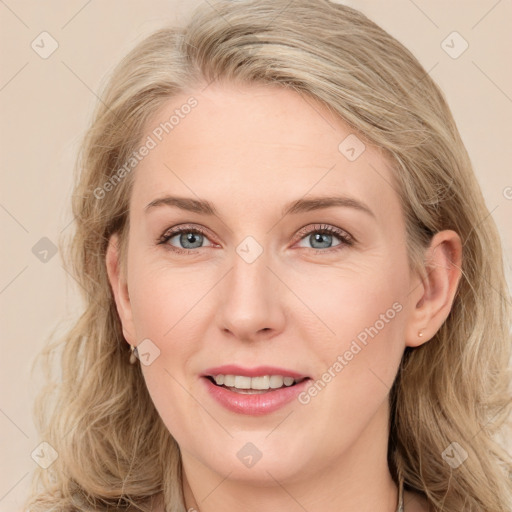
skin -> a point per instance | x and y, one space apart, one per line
249 150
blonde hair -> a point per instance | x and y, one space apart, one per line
114 451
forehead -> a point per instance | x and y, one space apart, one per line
239 144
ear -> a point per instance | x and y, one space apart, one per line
119 286
432 296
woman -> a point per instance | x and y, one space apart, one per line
277 216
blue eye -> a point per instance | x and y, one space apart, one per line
189 238
321 235
324 234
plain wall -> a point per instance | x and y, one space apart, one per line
45 106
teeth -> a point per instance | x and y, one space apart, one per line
242 382
288 381
276 381
229 380
260 382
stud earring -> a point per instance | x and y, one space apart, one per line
134 354
420 333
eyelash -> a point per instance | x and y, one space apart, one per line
346 239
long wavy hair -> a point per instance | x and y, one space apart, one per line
114 451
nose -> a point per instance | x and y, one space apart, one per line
251 301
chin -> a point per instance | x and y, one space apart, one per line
263 473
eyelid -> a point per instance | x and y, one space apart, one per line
176 230
345 237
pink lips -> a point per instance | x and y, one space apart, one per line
233 369
253 404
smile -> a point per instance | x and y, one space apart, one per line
251 385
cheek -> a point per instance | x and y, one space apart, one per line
166 305
162 298
363 316
358 365
345 302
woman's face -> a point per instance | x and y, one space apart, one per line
314 290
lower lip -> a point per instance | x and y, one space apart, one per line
255 404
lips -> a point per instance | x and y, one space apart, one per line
232 369
254 402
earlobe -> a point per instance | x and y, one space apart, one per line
118 283
436 293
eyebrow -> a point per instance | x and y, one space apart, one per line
298 206
184 203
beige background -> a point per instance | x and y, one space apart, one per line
45 105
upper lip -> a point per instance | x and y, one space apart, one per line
233 369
